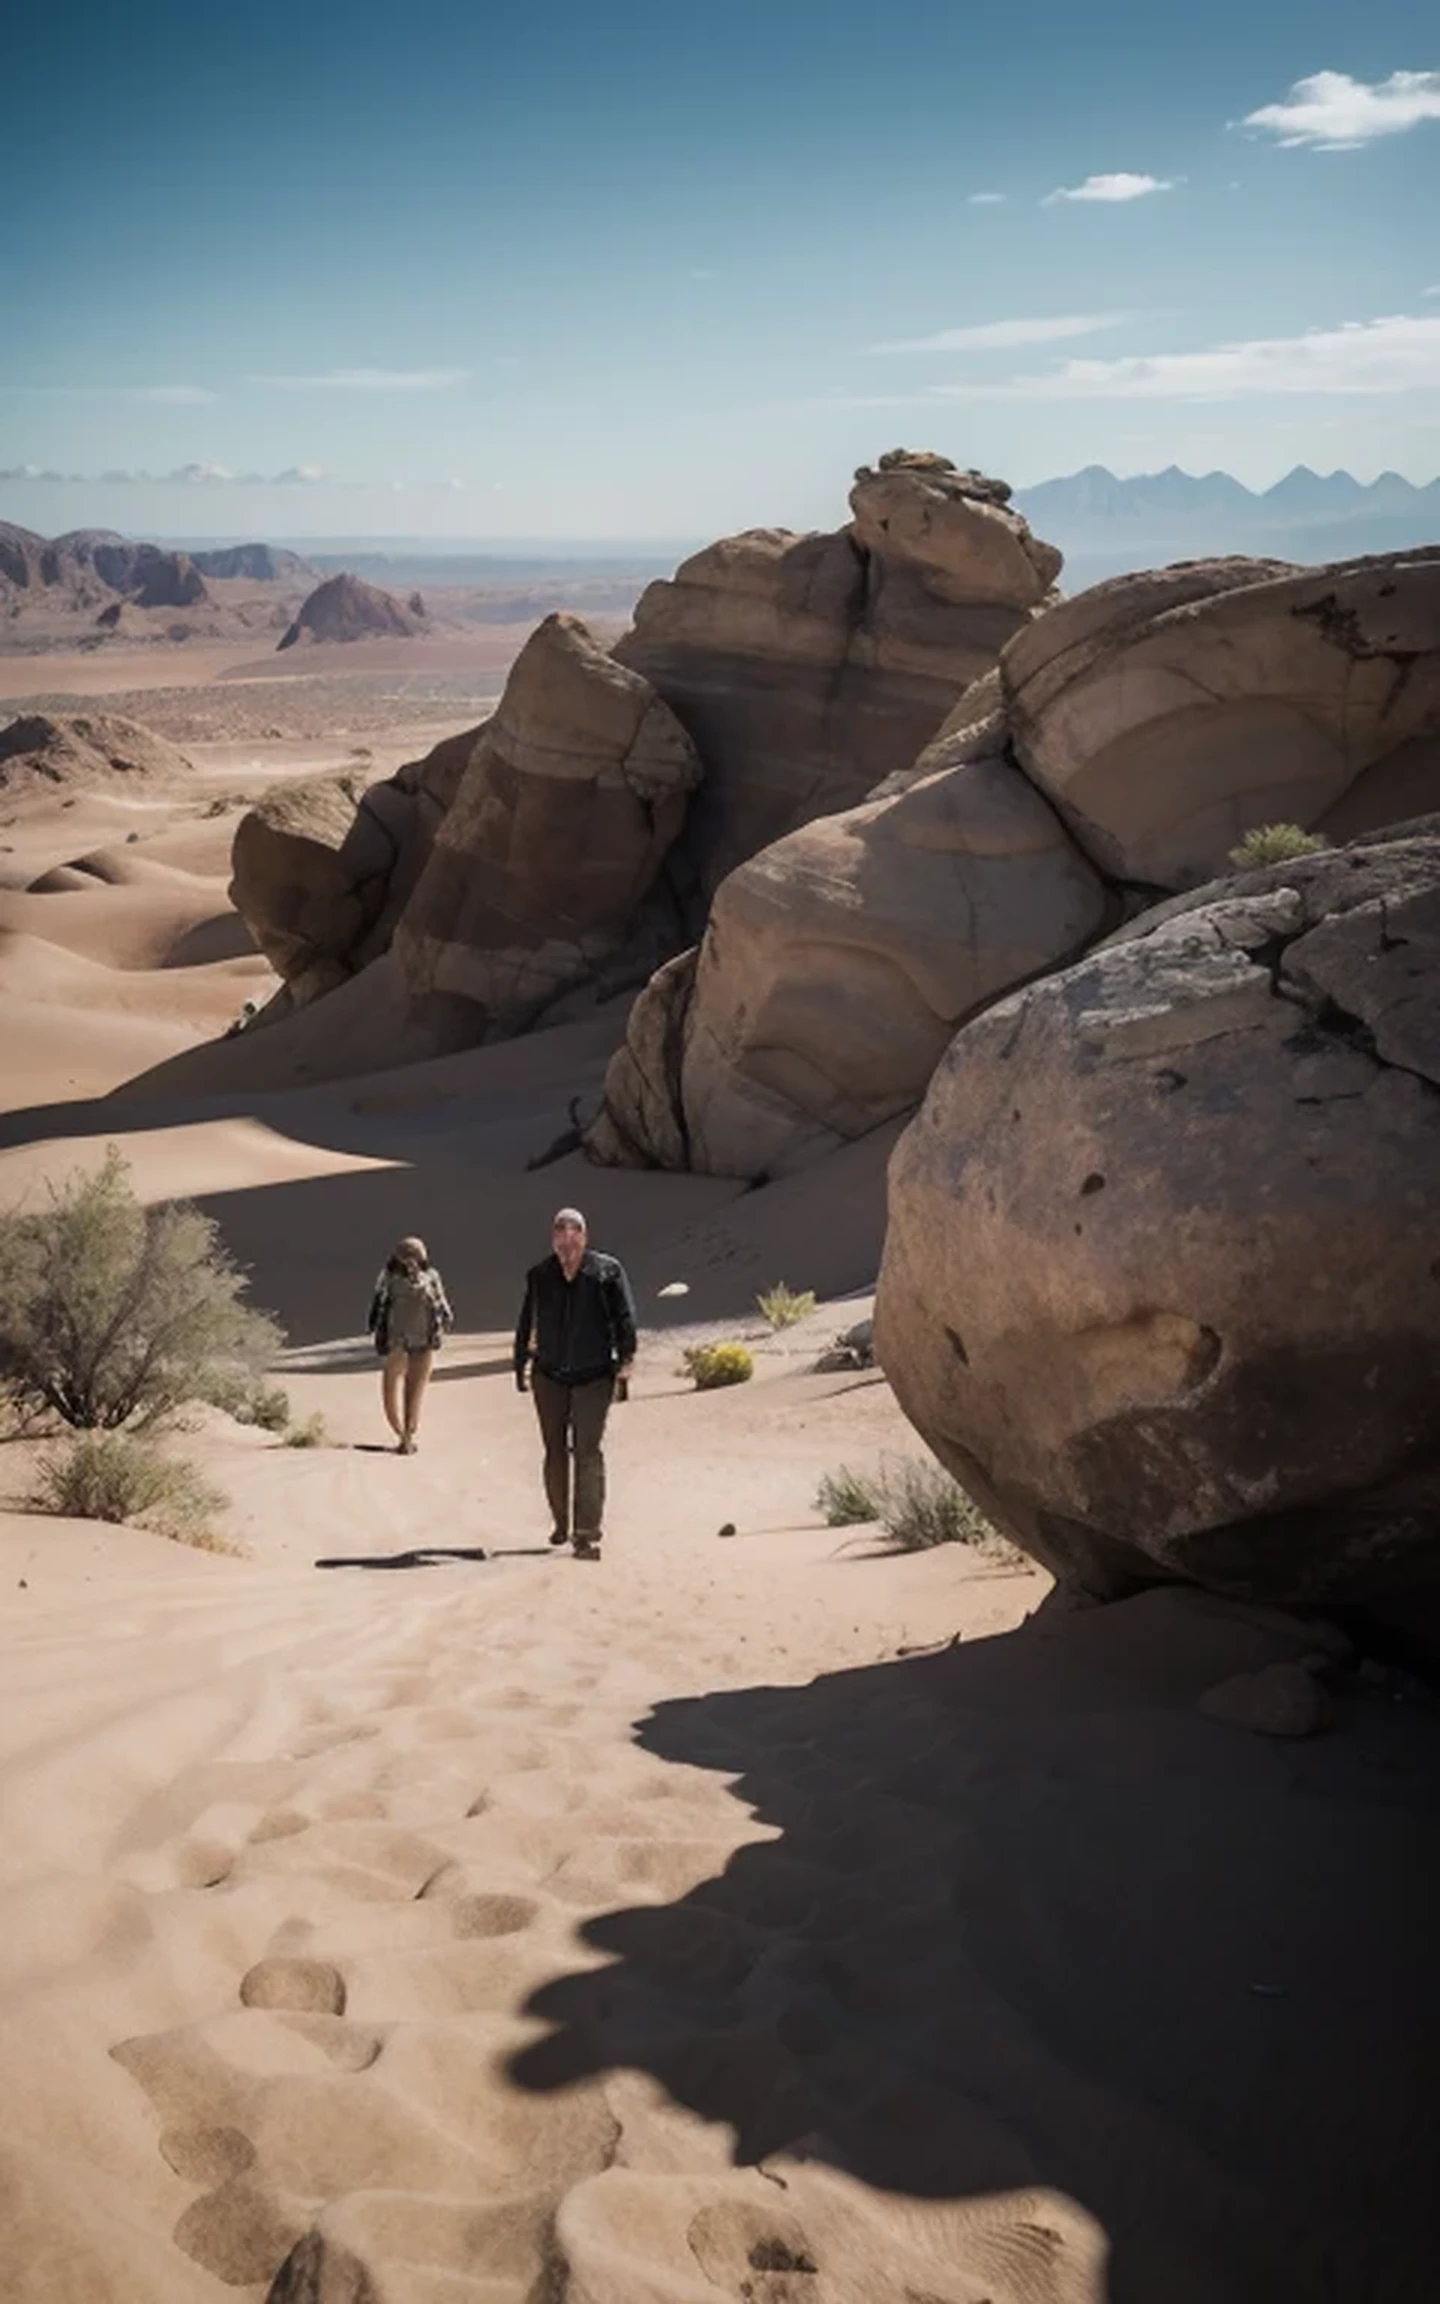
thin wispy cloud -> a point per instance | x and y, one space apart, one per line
184 476
1330 112
369 380
154 395
1007 335
1119 186
1363 357
173 395
986 200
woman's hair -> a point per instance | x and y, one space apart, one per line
408 1254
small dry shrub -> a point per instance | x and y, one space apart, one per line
781 1307
310 1434
711 1366
268 1407
848 1499
1275 844
108 1476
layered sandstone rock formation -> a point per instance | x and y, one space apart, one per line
1161 717
836 968
1162 1282
346 608
1165 714
321 869
552 852
806 668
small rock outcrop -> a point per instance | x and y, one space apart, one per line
1166 714
1161 1285
838 964
552 851
321 869
806 668
345 607
83 748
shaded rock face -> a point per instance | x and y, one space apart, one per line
320 870
261 563
82 747
837 966
805 668
1168 714
347 608
1162 1280
547 867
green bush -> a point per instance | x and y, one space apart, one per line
709 1366
1275 844
848 1498
310 1434
268 1407
109 1476
112 1313
781 1307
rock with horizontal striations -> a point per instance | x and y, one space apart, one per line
1162 1279
806 668
1168 714
545 869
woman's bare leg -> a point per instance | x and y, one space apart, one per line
392 1378
417 1375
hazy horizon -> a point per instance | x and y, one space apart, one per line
656 274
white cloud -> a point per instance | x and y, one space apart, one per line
370 380
986 200
300 476
1005 335
201 475
184 476
1120 186
1365 357
1435 291
1330 112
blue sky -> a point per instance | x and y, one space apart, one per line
661 271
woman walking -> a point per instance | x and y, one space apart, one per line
409 1314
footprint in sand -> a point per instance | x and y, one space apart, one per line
312 1987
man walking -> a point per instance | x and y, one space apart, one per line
577 1328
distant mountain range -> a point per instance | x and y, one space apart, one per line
1105 525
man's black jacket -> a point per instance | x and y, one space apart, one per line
576 1330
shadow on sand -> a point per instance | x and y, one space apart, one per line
426 1556
1031 1919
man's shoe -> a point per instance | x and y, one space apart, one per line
558 1536
587 1547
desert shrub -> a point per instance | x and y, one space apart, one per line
112 1313
781 1307
268 1407
310 1434
848 1498
109 1476
921 1506
709 1366
1275 844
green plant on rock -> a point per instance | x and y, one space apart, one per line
782 1307
111 1476
1275 844
113 1314
711 1366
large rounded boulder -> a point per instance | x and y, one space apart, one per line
545 871
1162 1280
837 966
1169 713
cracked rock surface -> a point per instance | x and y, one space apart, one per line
1162 1282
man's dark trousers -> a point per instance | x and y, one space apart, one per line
572 1418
